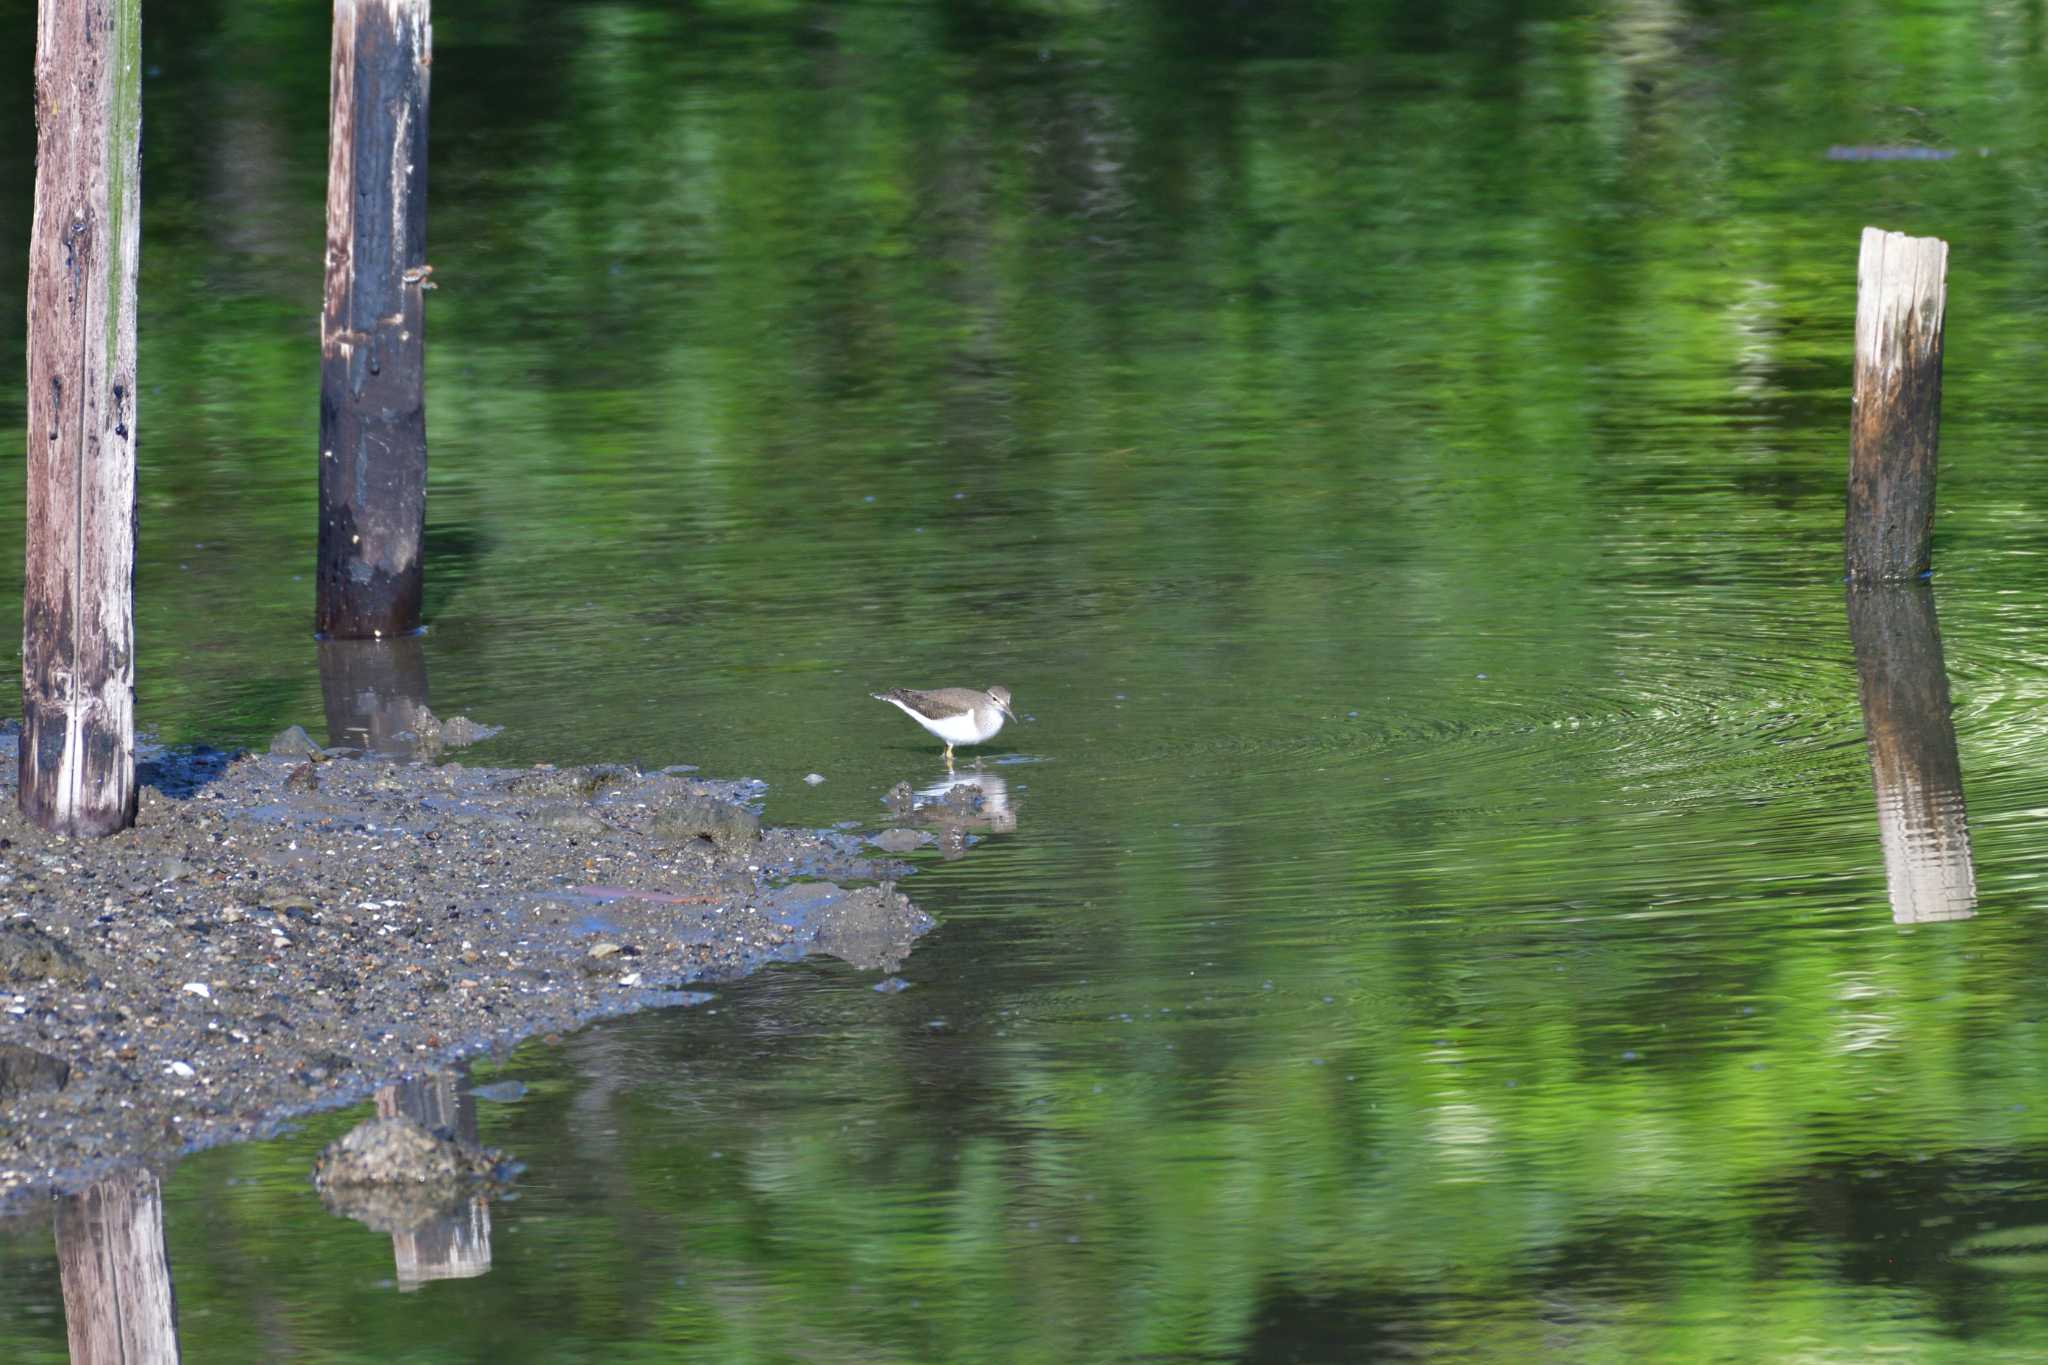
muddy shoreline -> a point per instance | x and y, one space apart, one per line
287 931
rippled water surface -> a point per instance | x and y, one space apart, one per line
1394 458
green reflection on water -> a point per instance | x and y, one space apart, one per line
1395 458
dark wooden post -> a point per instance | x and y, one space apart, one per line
1913 761
373 421
118 1304
78 607
1895 432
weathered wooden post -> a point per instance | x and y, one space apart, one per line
1895 432
373 422
78 607
118 1301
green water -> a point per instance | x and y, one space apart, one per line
1394 455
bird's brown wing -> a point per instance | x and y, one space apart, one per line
937 705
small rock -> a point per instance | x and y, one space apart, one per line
718 823
458 730
302 779
582 783
199 989
182 1070
814 778
388 1151
570 820
27 953
603 950
500 1092
890 985
24 1071
294 742
394 1175
901 840
870 926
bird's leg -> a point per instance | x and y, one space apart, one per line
949 758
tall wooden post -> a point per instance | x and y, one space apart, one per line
78 609
373 422
1895 433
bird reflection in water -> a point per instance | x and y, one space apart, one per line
956 807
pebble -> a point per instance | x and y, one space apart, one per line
500 1092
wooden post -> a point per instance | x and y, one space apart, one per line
118 1304
1895 432
1914 766
78 608
373 422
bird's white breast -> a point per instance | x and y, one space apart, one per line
961 729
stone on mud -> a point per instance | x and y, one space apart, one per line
29 954
569 819
24 1071
721 824
294 742
863 927
394 1175
398 1151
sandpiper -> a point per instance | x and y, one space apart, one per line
957 715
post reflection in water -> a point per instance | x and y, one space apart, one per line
376 694
1913 764
118 1304
454 1246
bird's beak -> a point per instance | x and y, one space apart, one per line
1008 712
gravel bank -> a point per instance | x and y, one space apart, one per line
287 931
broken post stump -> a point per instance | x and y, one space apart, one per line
1895 430
373 423
78 607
